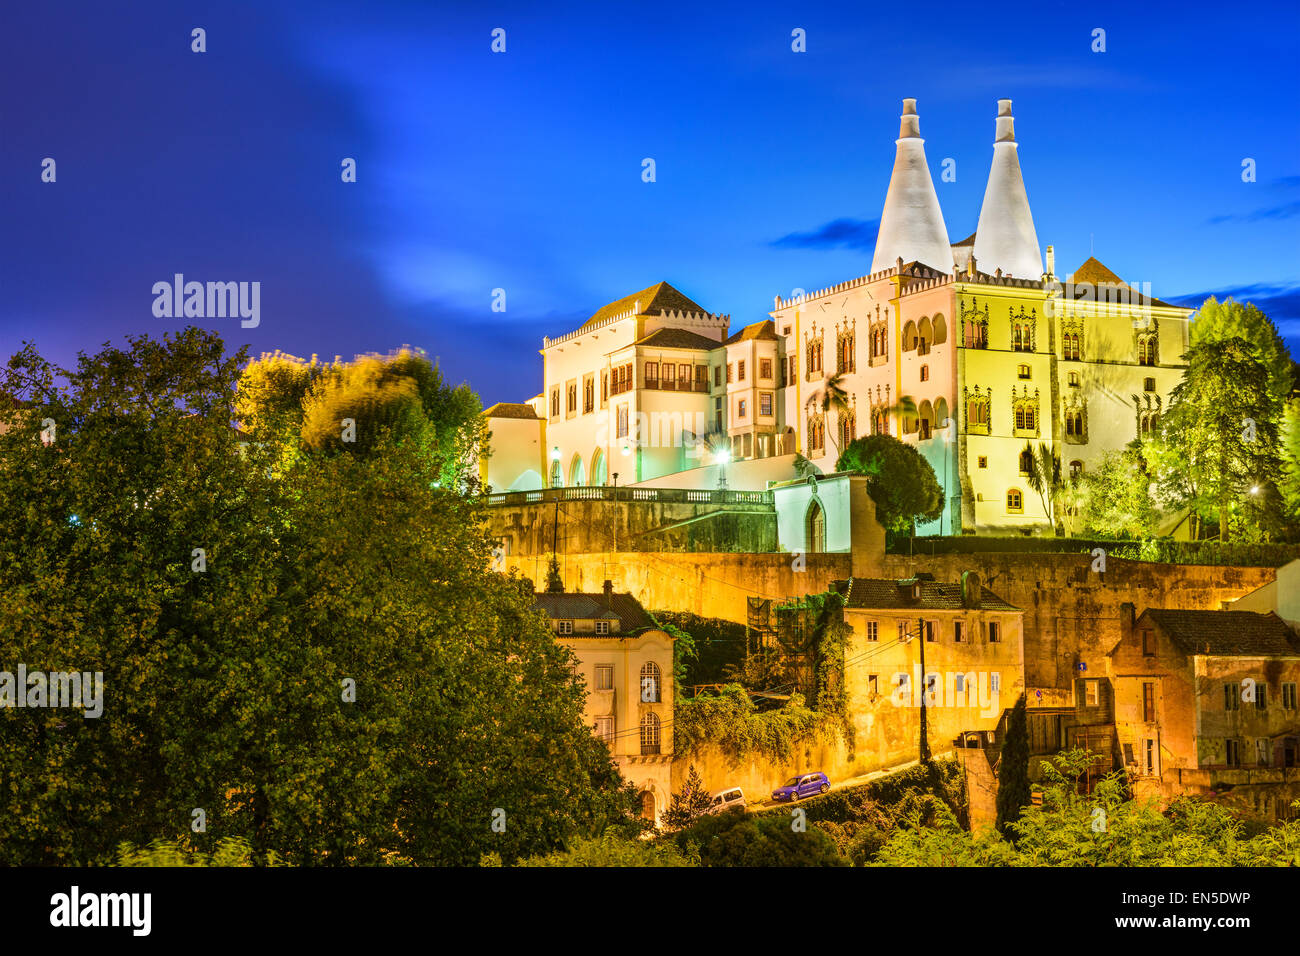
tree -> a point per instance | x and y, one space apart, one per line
744 839
554 579
1218 321
1221 430
1045 477
314 660
831 396
1013 772
689 803
1118 501
902 483
611 849
1290 454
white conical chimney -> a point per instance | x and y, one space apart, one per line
1005 238
911 226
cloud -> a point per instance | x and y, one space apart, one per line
846 233
1284 211
1279 301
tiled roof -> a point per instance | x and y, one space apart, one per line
593 607
1094 273
759 330
679 339
968 241
510 410
888 594
1227 633
652 300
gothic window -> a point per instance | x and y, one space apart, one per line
974 325
1150 423
1148 348
848 427
977 412
604 387
555 402
588 395
816 528
813 351
844 346
880 422
1022 331
1076 425
1025 413
1071 346
816 435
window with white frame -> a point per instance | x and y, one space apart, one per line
604 677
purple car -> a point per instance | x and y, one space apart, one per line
804 785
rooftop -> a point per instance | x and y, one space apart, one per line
564 605
1227 633
889 594
650 301
678 339
510 410
1093 272
766 329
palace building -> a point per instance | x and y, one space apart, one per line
972 351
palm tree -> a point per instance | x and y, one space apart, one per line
832 395
1045 477
904 408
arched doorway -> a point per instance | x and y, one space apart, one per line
599 474
815 528
577 473
648 806
557 476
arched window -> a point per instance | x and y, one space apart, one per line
649 683
577 474
650 734
925 420
1076 468
816 528
909 336
940 332
1015 502
599 473
1026 462
848 422
925 335
1148 348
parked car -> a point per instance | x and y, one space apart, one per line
724 800
804 785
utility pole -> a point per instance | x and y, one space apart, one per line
925 740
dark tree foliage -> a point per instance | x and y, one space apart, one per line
736 838
1013 772
309 648
903 485
689 803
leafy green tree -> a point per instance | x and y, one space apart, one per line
1218 321
1290 455
902 483
1221 430
229 851
316 659
743 839
554 579
1117 496
1013 772
612 849
689 803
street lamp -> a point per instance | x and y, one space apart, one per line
722 457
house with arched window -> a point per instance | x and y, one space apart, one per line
625 663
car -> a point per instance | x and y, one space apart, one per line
725 800
802 785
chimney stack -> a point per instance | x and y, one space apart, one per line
609 592
911 225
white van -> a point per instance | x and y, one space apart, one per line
724 800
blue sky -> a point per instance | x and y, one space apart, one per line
522 170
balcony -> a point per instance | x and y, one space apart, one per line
607 493
676 385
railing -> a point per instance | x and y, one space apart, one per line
724 496
675 385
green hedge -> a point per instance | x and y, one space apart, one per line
1162 550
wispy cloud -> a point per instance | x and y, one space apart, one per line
838 233
1284 211
1279 301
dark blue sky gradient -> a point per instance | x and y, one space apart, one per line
523 171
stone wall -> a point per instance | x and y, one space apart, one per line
707 584
588 526
1072 614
